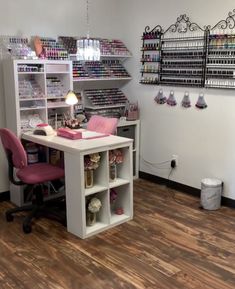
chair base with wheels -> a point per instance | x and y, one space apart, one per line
54 209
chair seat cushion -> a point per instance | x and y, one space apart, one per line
39 173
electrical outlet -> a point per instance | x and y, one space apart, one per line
176 159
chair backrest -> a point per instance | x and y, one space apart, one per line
13 146
102 124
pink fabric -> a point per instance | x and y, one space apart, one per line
102 124
39 173
12 143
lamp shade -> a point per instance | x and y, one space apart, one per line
71 98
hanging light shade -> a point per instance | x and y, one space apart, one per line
71 98
88 49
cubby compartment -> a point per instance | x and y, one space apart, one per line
57 113
31 86
57 68
120 199
30 68
119 167
30 118
32 104
95 164
127 131
97 212
57 85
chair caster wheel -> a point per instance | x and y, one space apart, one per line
9 217
27 229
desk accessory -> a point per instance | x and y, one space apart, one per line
132 111
43 129
79 134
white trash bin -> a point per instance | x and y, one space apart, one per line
211 190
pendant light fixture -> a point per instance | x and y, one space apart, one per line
88 49
71 98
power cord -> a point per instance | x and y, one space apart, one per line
152 164
171 193
158 166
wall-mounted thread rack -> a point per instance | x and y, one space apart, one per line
187 55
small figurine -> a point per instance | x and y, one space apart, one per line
160 98
201 103
171 99
119 211
113 196
186 100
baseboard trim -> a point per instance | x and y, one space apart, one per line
5 196
182 188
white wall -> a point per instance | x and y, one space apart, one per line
204 140
53 18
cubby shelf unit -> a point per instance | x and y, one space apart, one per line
27 94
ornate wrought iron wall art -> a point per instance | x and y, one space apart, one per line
183 54
188 55
151 54
228 23
183 25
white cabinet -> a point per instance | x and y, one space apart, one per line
111 213
35 91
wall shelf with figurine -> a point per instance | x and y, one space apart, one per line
192 56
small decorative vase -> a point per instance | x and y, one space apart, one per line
112 173
90 218
88 178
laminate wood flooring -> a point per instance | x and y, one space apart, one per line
170 244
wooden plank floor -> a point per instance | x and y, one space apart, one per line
169 244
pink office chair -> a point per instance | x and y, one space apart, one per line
102 124
32 175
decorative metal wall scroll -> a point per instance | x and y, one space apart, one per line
188 55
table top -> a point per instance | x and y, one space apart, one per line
80 145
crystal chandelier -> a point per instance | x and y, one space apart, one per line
88 48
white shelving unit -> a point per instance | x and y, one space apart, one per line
107 217
27 93
78 196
